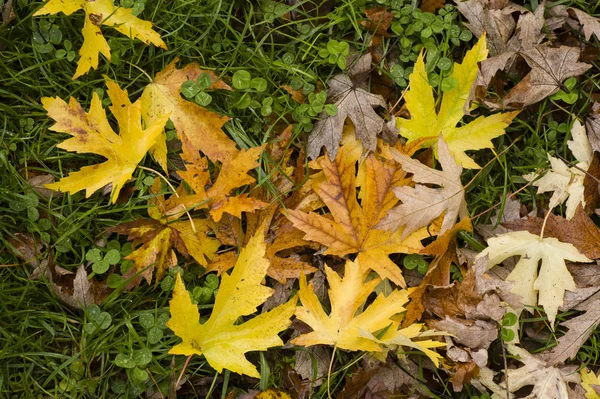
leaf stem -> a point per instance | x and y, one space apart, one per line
329 372
174 192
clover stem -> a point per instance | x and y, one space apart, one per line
157 173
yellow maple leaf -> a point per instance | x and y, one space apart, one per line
343 327
160 236
98 13
201 126
588 378
352 229
427 122
92 133
220 339
217 198
546 254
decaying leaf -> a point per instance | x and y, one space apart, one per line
580 329
221 340
352 229
158 238
199 125
567 182
432 5
378 20
422 204
346 329
581 231
98 13
426 121
547 382
354 103
92 133
553 277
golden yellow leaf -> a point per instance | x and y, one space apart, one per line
218 199
98 13
352 229
425 121
201 126
221 340
348 328
588 378
92 133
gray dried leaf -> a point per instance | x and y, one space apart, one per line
354 103
474 334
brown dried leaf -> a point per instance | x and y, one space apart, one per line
592 125
432 5
378 20
581 231
549 68
580 329
354 103
590 25
474 334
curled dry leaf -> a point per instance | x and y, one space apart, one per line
567 183
92 133
98 13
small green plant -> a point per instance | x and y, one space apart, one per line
335 53
567 94
103 258
207 291
509 322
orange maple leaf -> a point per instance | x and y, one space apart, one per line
218 198
352 228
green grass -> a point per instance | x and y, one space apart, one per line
48 348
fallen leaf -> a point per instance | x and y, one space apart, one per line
354 103
589 25
156 240
98 13
312 363
221 340
592 124
567 182
352 229
590 383
580 329
378 20
550 67
422 204
200 126
474 334
364 384
218 198
341 327
92 133
553 278
463 373
7 12
581 231
432 5
425 121
546 382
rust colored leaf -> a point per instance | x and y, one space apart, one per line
432 5
581 231
378 20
